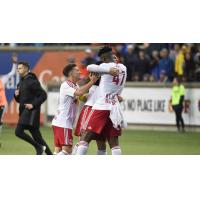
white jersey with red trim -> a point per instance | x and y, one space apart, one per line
67 107
92 95
110 86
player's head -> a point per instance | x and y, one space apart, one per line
177 80
23 68
72 71
106 55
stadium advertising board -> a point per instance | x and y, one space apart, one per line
152 106
147 106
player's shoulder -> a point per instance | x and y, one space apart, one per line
182 87
111 64
66 84
121 66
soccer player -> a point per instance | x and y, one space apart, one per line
3 80
30 96
67 109
106 118
83 120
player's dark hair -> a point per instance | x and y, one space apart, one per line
68 68
99 62
179 79
24 63
105 49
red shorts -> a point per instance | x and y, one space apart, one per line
99 122
82 120
62 136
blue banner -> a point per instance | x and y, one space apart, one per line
6 65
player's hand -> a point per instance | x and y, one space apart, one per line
94 77
120 98
28 106
17 92
113 71
14 58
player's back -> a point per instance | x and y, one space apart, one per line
113 84
110 86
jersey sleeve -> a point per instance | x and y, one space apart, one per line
68 91
98 68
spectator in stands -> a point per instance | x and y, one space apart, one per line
129 61
197 64
71 59
154 64
163 77
146 77
136 77
142 64
152 78
150 47
89 59
174 52
189 68
180 61
166 63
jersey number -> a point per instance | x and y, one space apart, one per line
116 79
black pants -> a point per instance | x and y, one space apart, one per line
36 140
1 114
179 119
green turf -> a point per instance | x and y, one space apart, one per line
132 143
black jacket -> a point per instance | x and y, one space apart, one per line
30 92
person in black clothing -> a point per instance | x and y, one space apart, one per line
129 62
89 58
30 96
189 68
142 64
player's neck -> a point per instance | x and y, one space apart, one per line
109 61
72 80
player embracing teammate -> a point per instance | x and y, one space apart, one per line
105 120
101 118
67 109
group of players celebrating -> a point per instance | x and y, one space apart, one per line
101 118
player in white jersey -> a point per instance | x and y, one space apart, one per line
67 109
106 117
82 122
3 81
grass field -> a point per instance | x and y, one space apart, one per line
132 143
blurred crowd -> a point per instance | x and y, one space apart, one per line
152 62
158 62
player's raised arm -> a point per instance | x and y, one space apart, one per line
103 69
82 90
